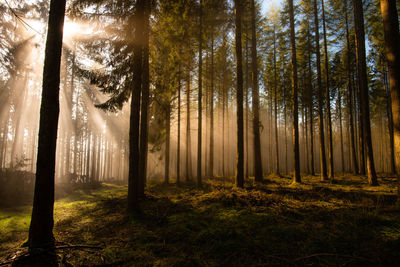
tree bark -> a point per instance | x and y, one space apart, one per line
392 44
199 131
296 152
239 98
350 90
324 175
256 100
134 153
277 172
363 84
167 142
41 227
211 160
331 168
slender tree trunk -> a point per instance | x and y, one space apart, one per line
199 132
363 84
144 121
296 152
188 140
211 162
310 108
392 44
98 170
41 227
178 152
341 129
134 153
350 90
256 99
324 175
239 97
286 141
331 168
390 125
223 132
167 143
88 158
277 172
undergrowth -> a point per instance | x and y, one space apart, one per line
269 224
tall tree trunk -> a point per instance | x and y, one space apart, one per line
286 140
392 44
239 98
144 121
223 131
390 124
188 140
350 90
341 128
167 143
277 172
363 84
178 146
256 100
310 107
296 152
331 168
324 175
41 227
134 153
199 132
211 162
88 158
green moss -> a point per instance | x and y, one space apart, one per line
275 223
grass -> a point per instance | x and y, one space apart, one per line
274 223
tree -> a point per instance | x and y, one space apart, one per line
255 98
363 87
42 222
296 152
199 131
328 98
239 95
144 122
350 90
324 175
392 44
134 152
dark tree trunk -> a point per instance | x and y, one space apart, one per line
178 145
310 108
392 44
144 124
324 175
350 90
363 84
390 125
199 131
331 168
277 172
256 100
296 152
167 143
211 161
188 140
41 227
341 129
239 98
134 153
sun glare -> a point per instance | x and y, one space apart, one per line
76 29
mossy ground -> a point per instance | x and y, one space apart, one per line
275 223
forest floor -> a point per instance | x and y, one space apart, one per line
275 223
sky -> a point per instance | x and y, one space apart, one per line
266 5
